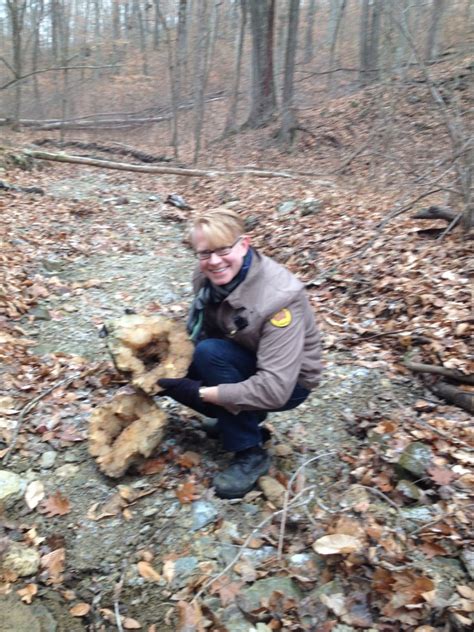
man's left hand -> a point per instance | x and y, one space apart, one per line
183 390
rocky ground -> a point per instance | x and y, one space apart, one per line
92 553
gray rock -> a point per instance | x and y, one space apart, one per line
45 618
409 489
14 615
251 222
419 515
73 457
415 459
40 313
467 557
12 488
286 208
20 559
250 598
66 471
203 513
234 620
48 459
307 565
254 557
310 206
52 265
184 567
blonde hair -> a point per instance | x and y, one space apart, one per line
219 226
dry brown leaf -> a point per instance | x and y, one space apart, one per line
431 549
131 624
57 505
152 466
28 592
466 591
337 544
189 615
147 571
441 476
34 494
80 609
54 563
169 570
189 459
186 493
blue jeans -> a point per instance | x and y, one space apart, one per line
220 361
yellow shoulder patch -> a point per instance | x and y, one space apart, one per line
282 318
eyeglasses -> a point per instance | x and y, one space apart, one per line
220 252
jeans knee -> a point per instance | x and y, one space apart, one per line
206 351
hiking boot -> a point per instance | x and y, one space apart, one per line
211 429
244 471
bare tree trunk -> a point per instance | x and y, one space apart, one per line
333 42
369 37
308 45
288 115
142 35
16 14
364 42
201 59
433 32
231 121
37 17
262 15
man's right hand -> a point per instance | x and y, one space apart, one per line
183 390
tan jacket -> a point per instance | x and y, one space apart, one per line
288 349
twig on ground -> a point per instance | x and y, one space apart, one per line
377 492
254 531
117 591
452 374
286 500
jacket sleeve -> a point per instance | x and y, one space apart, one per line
279 358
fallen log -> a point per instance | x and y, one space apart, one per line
120 151
453 395
436 212
451 374
199 173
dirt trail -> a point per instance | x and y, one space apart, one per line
132 258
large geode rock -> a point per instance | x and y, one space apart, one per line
125 431
149 348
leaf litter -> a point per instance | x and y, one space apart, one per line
345 522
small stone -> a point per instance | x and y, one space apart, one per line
286 208
48 459
184 567
251 222
12 488
409 489
73 457
249 599
415 459
282 450
467 556
52 265
20 559
203 513
66 471
419 515
273 490
40 313
310 206
355 496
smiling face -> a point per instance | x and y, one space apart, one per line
220 269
